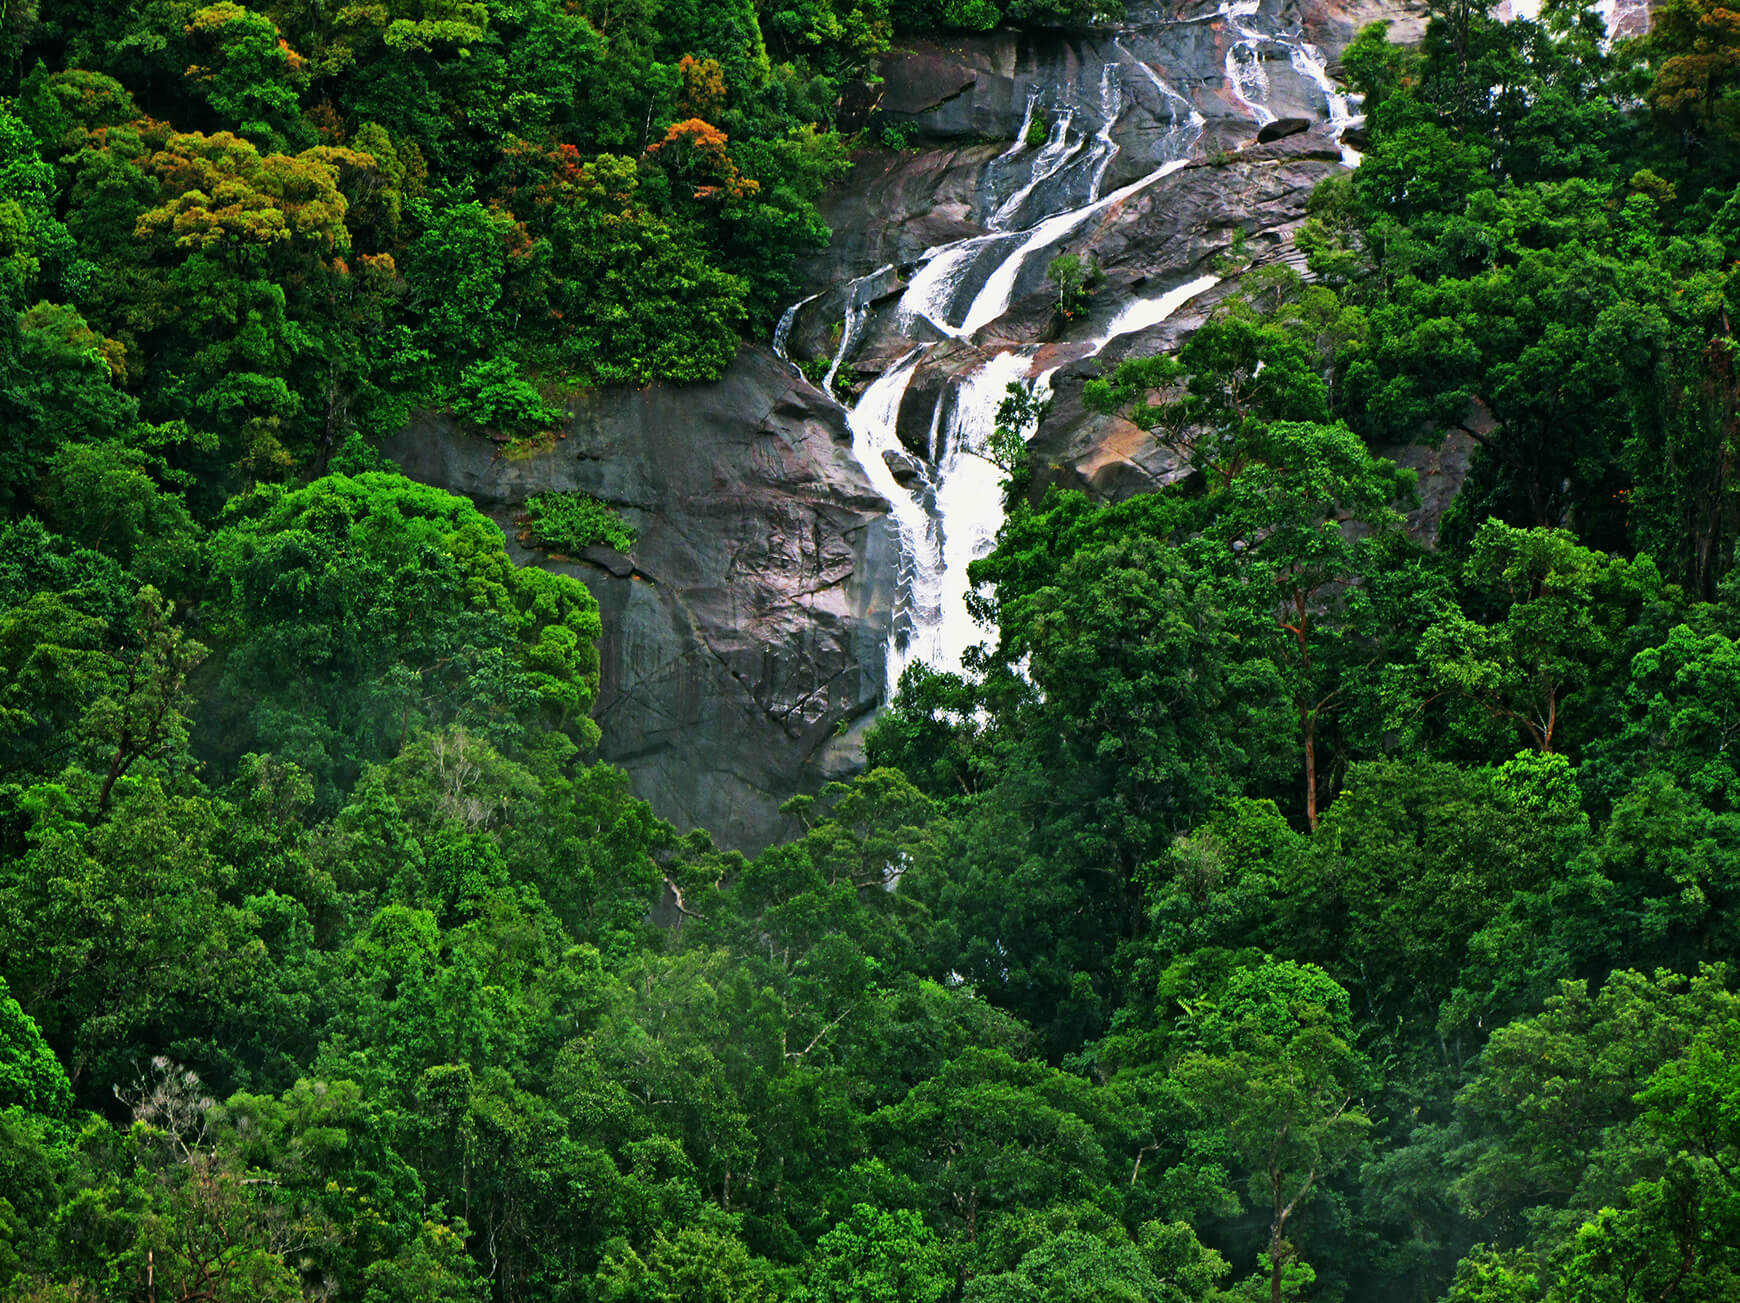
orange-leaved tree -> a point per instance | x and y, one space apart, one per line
693 151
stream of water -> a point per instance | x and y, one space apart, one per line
947 512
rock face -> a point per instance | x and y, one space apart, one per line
1174 233
979 88
1164 235
747 638
743 638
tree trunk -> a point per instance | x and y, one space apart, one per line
1276 1266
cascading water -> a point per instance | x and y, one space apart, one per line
1245 75
1061 145
1111 107
1186 129
1144 314
1035 198
969 505
858 297
1247 72
1308 61
787 319
873 421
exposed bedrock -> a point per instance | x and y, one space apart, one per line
1165 235
743 639
979 88
1178 231
1156 86
746 640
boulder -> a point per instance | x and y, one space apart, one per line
1281 128
905 468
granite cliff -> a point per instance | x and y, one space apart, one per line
743 638
792 552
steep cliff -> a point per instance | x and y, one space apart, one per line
744 637
794 553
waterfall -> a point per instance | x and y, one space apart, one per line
1308 61
1020 141
858 296
1248 78
1245 75
969 505
1060 146
873 420
1186 130
1144 314
787 319
992 301
1111 105
1034 199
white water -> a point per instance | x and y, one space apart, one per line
1111 106
969 503
1245 73
951 516
1186 131
992 301
782 332
1060 146
1308 61
1144 314
857 313
872 421
931 292
953 521
1020 141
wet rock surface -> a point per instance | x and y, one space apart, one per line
1180 227
743 637
978 89
1183 228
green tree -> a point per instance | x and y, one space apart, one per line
102 496
1074 1268
118 934
67 387
1552 1117
1564 617
991 1133
64 614
1240 370
30 1076
356 612
1676 720
696 1263
1074 276
253 75
879 1257
1311 521
1275 1069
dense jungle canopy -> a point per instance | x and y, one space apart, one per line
1275 909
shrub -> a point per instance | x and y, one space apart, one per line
494 394
567 522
